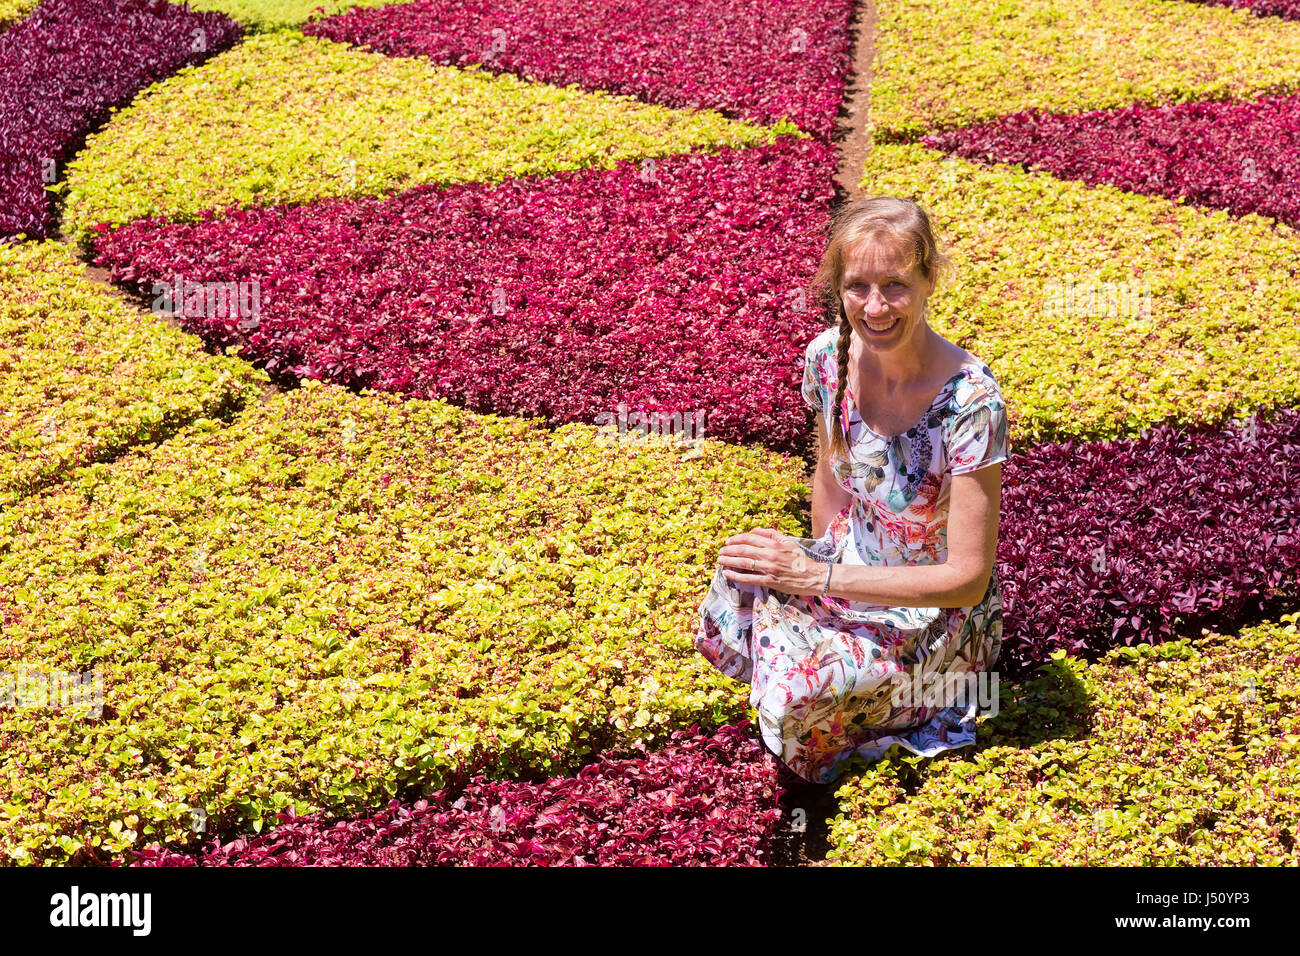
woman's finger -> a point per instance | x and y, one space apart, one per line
743 550
745 576
746 560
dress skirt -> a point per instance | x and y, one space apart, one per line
832 679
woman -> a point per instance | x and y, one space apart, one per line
899 591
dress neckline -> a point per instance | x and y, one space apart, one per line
943 390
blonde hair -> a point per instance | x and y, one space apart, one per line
898 220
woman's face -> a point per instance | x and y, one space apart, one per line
883 297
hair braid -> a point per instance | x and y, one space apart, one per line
839 443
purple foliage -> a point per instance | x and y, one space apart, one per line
676 286
752 59
1240 156
1287 9
61 71
706 799
1199 527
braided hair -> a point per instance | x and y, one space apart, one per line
840 431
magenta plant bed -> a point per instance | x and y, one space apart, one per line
675 285
1287 9
751 59
1137 541
706 798
1241 157
61 71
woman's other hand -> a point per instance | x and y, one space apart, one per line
767 557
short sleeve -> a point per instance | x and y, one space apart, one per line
812 385
976 434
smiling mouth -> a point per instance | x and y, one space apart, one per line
882 328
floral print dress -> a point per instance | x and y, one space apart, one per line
830 677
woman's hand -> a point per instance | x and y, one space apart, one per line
768 557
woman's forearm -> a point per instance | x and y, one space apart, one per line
927 585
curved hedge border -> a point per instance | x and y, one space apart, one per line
82 377
703 800
285 118
65 68
760 60
1027 245
1242 157
559 297
947 63
337 600
1185 754
264 15
1146 540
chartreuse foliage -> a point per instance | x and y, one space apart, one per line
1051 284
941 63
269 14
12 11
83 377
339 598
1184 753
285 118
1241 162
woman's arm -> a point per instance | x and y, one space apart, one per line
829 497
962 579
767 557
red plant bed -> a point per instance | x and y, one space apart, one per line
1243 157
752 59
705 799
677 285
64 67
1138 541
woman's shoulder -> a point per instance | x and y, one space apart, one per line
824 343
819 369
977 384
975 433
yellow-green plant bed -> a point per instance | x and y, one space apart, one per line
83 376
11 11
262 15
946 63
1181 754
286 118
337 598
1102 312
